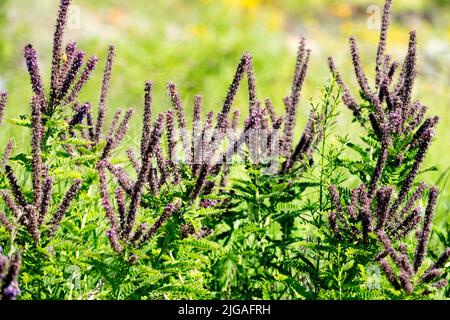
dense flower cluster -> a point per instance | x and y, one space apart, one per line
31 213
392 114
377 210
200 152
378 216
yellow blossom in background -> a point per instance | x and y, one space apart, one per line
276 20
348 28
341 10
398 36
198 31
368 35
250 5
361 31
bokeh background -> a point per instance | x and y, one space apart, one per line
197 44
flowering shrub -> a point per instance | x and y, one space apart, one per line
208 210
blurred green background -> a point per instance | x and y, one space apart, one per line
197 44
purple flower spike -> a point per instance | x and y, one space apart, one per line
169 210
80 114
425 235
3 100
12 291
147 119
64 206
234 86
114 241
85 77
208 203
9 270
104 94
61 23
33 70
77 63
386 19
